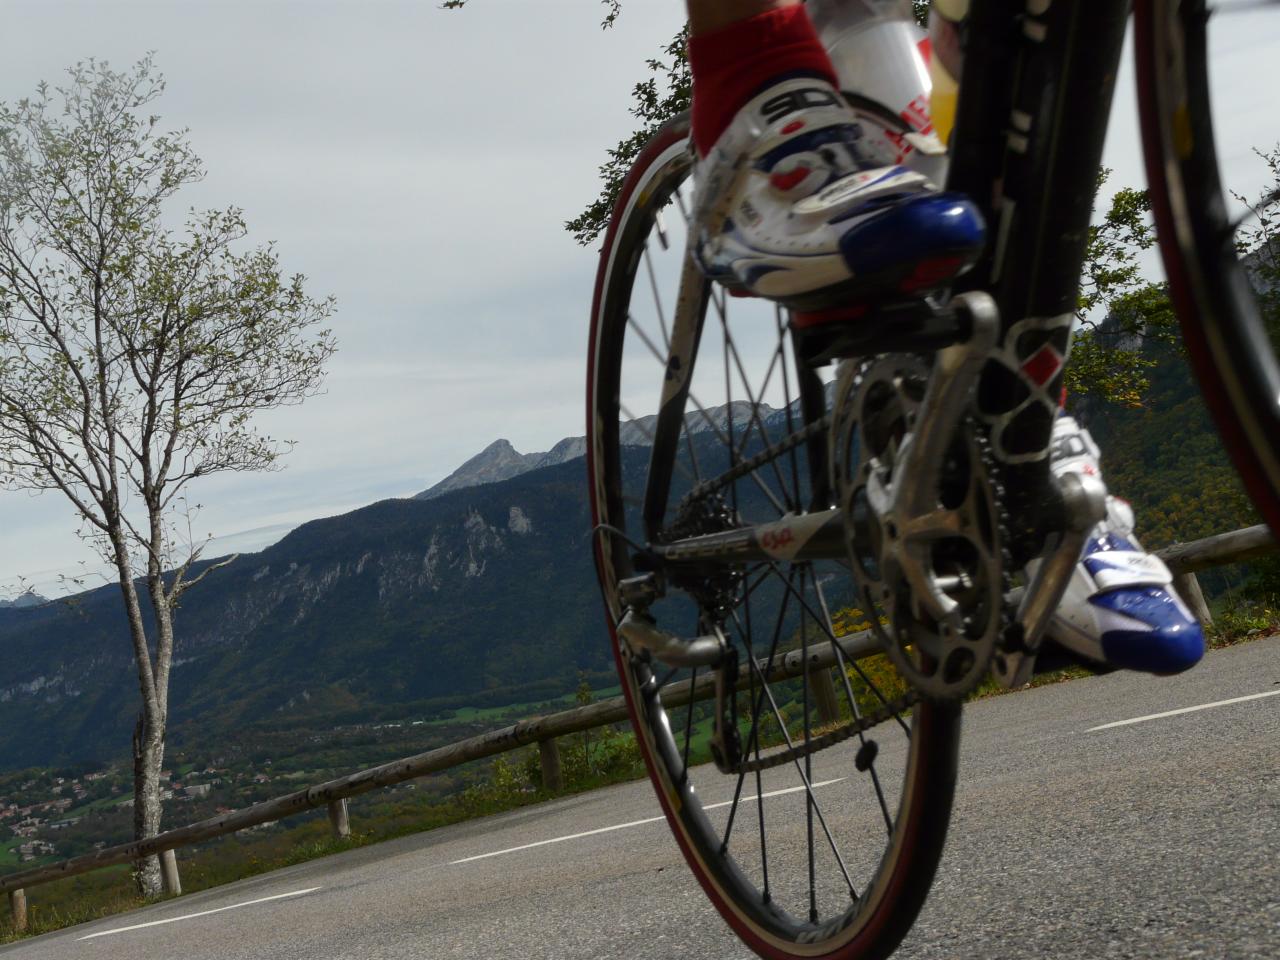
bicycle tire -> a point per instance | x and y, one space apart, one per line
902 871
1222 327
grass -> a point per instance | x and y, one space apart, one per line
64 903
8 859
521 710
102 803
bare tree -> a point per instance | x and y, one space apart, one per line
134 355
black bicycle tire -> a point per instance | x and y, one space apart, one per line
1227 345
905 874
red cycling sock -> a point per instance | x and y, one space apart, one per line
733 64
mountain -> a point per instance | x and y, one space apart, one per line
482 595
498 461
475 597
501 461
28 599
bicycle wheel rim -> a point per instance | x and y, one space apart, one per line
1222 327
889 904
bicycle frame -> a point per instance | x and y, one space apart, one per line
1031 267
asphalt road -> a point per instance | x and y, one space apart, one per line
1154 839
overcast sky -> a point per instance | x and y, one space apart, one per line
417 164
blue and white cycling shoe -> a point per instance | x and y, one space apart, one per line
799 203
1120 607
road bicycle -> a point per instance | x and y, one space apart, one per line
812 546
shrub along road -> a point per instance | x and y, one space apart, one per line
1158 838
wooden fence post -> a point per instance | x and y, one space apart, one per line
824 692
1188 588
549 756
18 904
340 818
169 873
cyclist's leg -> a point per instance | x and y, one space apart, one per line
738 48
795 202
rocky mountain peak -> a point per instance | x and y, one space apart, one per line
498 461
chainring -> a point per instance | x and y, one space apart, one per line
959 552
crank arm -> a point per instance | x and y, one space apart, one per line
955 372
910 514
1084 499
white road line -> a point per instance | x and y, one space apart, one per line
1174 713
202 913
774 793
543 843
624 826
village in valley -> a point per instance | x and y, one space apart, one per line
41 812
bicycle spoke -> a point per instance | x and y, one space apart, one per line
853 706
688 722
657 300
706 417
648 435
808 789
648 342
754 401
808 756
853 663
666 678
786 393
756 700
679 198
728 390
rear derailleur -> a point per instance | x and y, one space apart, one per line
644 639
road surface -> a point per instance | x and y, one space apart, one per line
1076 835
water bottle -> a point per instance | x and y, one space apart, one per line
882 57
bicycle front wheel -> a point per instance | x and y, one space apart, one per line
1231 343
823 839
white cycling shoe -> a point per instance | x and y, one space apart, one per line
1120 608
797 203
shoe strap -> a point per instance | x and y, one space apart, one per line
1112 569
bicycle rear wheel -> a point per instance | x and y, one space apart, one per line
1231 349
831 852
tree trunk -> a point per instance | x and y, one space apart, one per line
149 731
148 758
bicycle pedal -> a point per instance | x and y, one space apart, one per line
909 325
809 319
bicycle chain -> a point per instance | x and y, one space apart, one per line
888 711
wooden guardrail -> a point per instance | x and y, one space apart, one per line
333 794
1183 560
